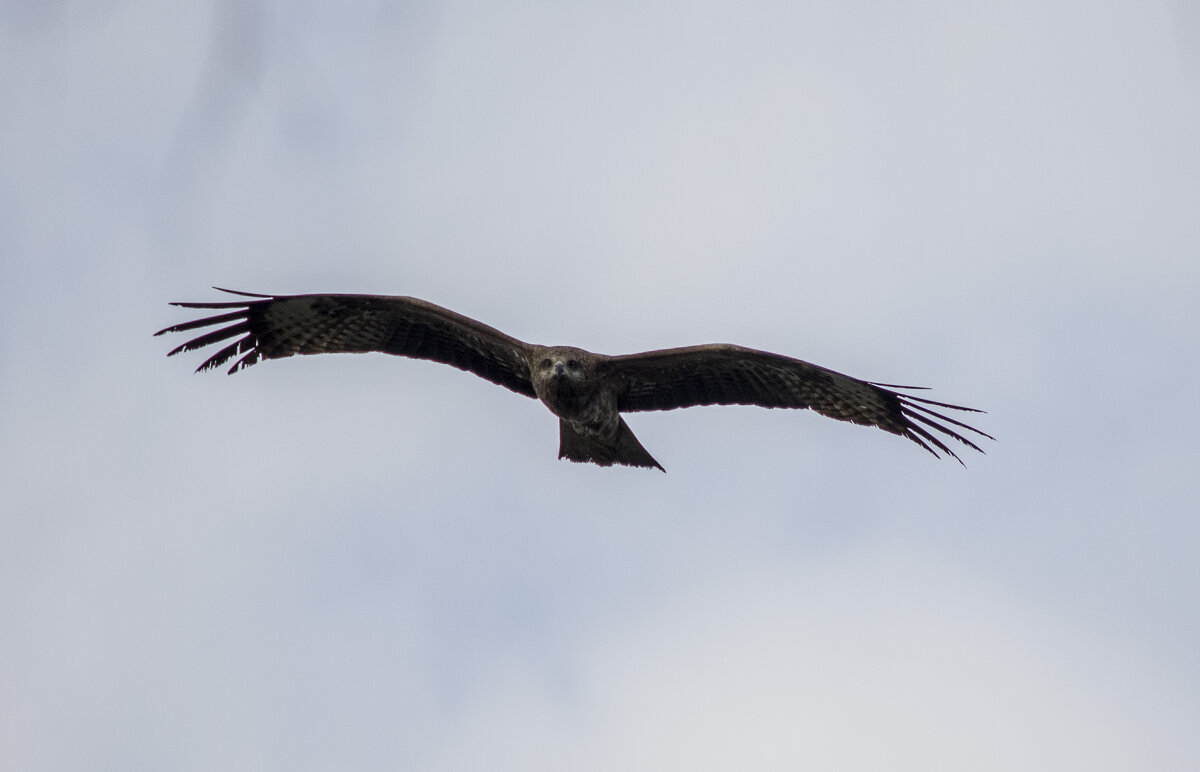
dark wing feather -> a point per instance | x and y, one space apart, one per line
272 327
723 374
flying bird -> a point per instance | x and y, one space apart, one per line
588 392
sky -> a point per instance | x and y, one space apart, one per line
366 562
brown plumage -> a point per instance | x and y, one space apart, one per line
588 392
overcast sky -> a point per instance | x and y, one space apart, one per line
373 563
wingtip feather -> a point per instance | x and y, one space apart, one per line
244 294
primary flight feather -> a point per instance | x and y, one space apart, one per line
588 392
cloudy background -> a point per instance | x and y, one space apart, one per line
363 562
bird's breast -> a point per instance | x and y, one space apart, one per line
564 397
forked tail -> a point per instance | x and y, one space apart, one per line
624 448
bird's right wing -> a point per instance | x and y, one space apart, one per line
273 327
723 374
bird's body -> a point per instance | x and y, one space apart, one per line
588 392
570 382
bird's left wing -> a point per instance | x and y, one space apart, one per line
272 327
724 374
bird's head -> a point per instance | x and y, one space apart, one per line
563 363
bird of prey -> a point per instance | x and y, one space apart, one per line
588 392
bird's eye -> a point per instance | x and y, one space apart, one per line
573 364
546 364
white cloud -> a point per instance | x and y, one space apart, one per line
876 658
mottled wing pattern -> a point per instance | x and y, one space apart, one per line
272 327
723 374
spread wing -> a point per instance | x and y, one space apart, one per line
723 374
272 327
